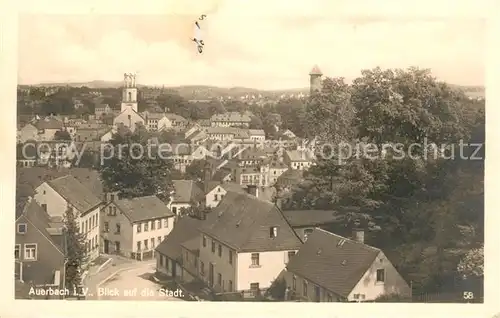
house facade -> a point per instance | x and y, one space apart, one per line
57 195
332 268
38 252
134 227
246 247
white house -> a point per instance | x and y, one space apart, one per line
257 135
246 247
57 195
298 160
215 192
134 227
332 268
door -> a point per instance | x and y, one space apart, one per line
174 269
117 247
317 294
211 274
106 247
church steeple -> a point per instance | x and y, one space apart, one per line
129 96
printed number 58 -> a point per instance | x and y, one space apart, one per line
468 295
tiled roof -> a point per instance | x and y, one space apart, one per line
48 123
231 117
257 132
82 198
297 155
316 71
150 115
310 217
185 229
186 191
336 267
290 177
222 130
35 176
243 222
175 117
143 208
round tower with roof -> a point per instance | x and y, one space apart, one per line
315 80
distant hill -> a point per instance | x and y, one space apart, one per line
201 91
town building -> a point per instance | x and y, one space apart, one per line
39 252
129 115
186 193
134 227
58 195
332 268
230 119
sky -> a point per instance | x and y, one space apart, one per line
269 44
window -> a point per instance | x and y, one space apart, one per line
230 257
106 226
174 209
17 251
112 197
294 282
152 242
139 246
290 255
30 251
254 287
230 286
307 232
159 240
202 269
146 226
165 223
139 228
220 250
114 210
219 279
44 207
159 224
330 297
145 244
216 197
204 241
213 246
21 228
153 225
161 260
380 275
304 288
118 228
273 232
255 259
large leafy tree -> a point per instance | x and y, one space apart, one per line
421 202
136 167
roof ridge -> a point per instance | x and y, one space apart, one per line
348 239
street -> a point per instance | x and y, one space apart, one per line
135 284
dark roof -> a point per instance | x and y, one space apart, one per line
336 268
186 191
75 193
48 123
185 229
143 208
31 178
316 71
299 218
243 222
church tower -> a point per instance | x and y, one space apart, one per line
315 80
129 97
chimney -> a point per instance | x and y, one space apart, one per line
253 190
358 235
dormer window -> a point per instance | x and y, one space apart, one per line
273 232
22 228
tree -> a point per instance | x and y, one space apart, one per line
135 167
195 170
277 289
76 255
256 123
472 264
416 206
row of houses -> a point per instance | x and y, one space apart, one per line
239 248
